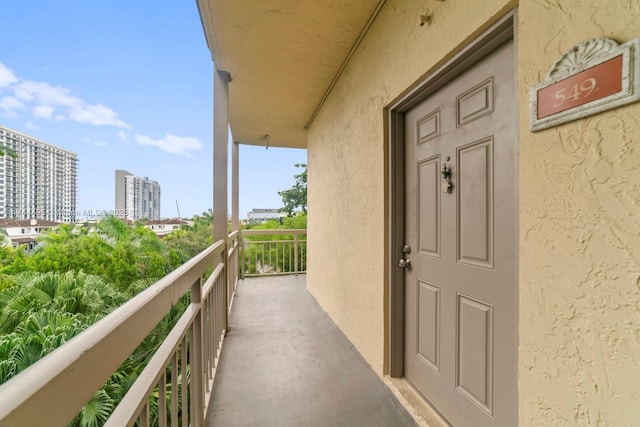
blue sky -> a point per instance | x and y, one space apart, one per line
126 85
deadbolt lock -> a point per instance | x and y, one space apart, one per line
406 249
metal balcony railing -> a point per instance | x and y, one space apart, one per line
177 380
176 383
272 252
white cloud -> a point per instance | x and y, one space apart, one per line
182 145
122 136
97 115
52 102
9 105
98 143
31 125
43 111
44 93
6 76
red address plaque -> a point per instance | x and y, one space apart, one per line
589 85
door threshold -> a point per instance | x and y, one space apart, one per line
421 411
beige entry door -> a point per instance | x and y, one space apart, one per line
461 232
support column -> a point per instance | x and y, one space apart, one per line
220 153
235 186
235 212
220 174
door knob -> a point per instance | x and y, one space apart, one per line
404 263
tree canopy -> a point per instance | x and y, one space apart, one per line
296 196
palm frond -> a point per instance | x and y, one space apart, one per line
96 412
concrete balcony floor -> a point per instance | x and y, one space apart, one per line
285 363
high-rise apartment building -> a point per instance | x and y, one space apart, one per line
136 197
40 182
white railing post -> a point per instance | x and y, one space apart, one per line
295 253
197 366
241 254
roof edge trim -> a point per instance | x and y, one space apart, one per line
207 29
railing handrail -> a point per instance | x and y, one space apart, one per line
89 359
277 241
296 231
124 413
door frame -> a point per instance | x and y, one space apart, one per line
472 52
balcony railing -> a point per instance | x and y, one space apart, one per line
272 252
176 383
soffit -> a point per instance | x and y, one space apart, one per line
283 56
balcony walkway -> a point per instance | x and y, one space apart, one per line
285 363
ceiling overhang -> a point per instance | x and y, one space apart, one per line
283 57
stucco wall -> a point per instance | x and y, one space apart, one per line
346 159
579 329
580 235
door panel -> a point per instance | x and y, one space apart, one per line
428 322
460 291
475 103
475 203
473 352
429 195
429 126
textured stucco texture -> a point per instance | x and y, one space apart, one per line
579 258
579 356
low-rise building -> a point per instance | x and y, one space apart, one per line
162 227
25 231
258 216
